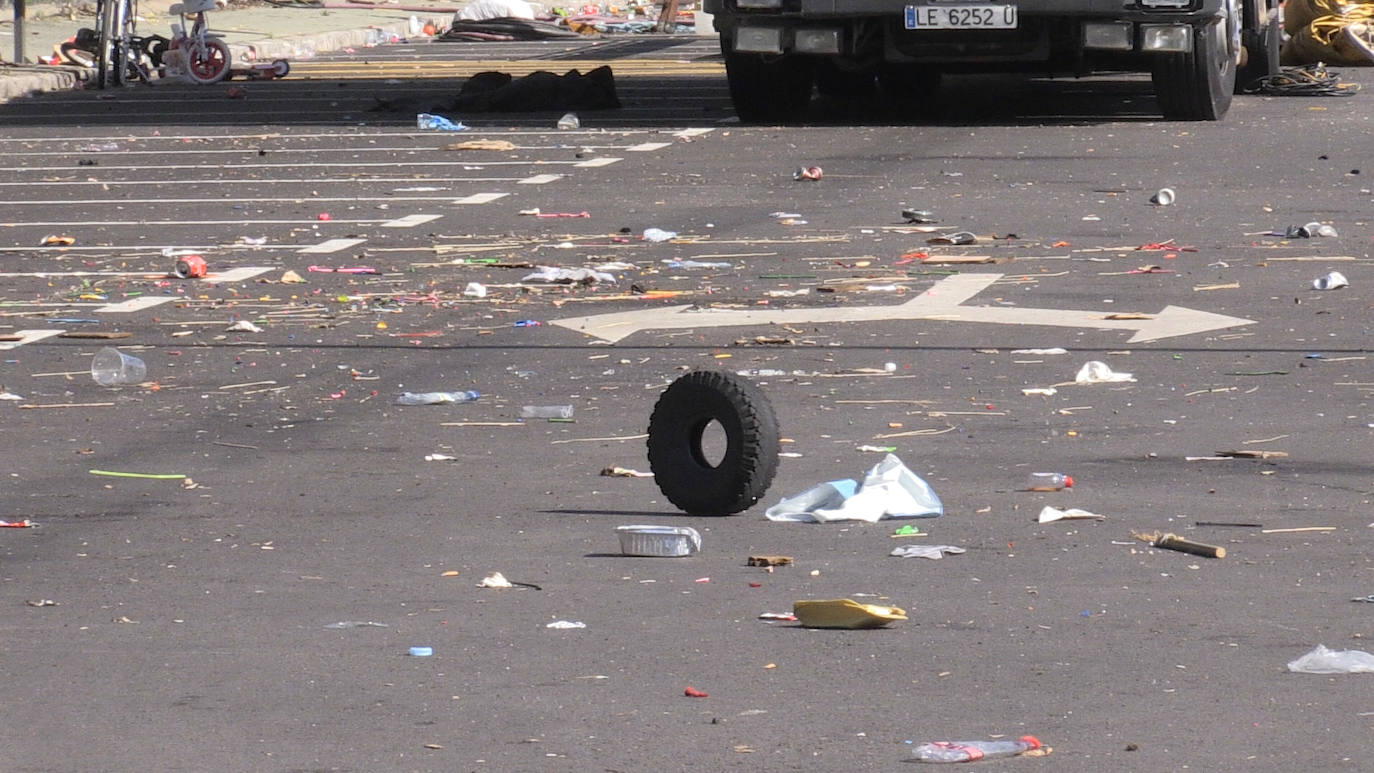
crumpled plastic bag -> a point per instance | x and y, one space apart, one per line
555 275
1327 661
1098 372
926 551
890 490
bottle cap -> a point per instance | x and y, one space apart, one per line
421 652
1032 740
1068 481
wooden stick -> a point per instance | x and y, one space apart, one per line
1297 529
1175 542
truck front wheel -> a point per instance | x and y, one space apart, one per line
1197 86
768 88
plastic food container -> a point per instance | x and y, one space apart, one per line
662 541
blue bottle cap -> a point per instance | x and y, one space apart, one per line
421 652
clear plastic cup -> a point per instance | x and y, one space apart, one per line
111 367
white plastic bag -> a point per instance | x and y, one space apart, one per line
1327 661
1098 372
890 490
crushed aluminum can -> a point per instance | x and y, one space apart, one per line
191 267
807 173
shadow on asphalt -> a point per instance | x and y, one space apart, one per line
648 102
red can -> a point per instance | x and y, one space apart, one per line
191 267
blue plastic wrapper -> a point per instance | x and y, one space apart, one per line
438 123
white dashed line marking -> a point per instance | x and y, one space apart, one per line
595 162
540 179
28 337
410 221
645 147
331 245
480 198
134 304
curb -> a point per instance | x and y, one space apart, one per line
21 80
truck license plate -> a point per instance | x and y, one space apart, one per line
961 17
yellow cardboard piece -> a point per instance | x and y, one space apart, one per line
844 613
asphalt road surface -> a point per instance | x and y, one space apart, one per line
184 623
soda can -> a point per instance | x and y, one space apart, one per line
191 267
807 173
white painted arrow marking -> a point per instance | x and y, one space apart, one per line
943 301
28 337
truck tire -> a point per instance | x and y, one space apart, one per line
680 417
768 88
1197 86
1262 38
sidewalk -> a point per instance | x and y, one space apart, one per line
254 30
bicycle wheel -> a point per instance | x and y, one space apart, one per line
208 62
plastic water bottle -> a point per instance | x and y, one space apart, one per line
1048 481
968 751
436 398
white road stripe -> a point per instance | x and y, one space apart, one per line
180 200
331 245
540 179
645 147
29 336
480 198
595 162
685 133
410 221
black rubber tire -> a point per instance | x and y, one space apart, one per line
768 88
1262 39
681 415
1198 85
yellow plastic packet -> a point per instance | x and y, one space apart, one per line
845 613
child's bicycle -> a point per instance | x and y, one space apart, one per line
198 53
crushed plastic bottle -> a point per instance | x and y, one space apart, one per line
968 751
436 398
658 235
546 412
569 121
1048 481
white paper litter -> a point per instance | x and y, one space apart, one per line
926 551
1055 514
1042 391
475 290
566 624
495 580
1327 661
1098 372
244 326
